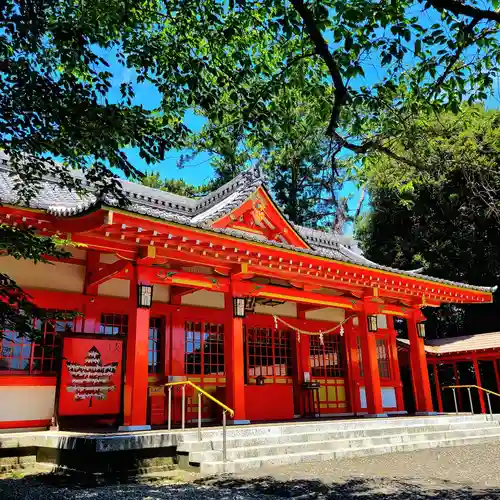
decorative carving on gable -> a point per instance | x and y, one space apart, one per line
259 215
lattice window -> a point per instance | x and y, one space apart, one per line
204 348
327 359
213 349
204 363
383 359
360 356
192 348
268 352
39 356
114 324
154 345
15 353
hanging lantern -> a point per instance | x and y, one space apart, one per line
144 296
372 323
250 304
275 322
321 341
238 307
341 330
421 330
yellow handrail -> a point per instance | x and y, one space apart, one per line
206 394
471 387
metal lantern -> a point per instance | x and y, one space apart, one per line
239 307
372 323
144 296
250 304
421 330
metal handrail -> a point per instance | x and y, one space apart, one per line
201 392
469 387
472 387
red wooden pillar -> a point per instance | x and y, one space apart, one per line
350 374
420 373
438 387
370 368
302 363
479 383
136 366
234 363
90 322
354 364
497 374
393 349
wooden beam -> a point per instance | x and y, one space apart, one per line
92 266
303 308
243 274
287 294
334 272
109 271
306 282
167 276
147 255
89 222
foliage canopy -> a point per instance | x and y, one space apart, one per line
366 68
443 217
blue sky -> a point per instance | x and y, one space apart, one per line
198 171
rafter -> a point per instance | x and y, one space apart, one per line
197 246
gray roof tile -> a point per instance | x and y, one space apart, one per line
201 213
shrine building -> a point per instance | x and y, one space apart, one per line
223 291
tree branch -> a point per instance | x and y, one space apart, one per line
459 8
373 145
321 46
468 31
360 202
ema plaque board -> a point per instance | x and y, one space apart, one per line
91 376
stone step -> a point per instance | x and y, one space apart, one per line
324 445
254 463
326 435
322 426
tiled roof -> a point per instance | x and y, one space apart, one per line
201 213
465 343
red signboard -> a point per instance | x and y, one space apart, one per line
91 376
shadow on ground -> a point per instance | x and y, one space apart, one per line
63 487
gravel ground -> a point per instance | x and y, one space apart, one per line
453 473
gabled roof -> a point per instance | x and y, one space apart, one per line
201 213
258 214
464 343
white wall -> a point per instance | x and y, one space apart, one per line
23 403
161 293
56 276
334 314
204 298
115 288
287 309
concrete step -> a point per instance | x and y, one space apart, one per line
254 463
325 435
323 426
337 444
